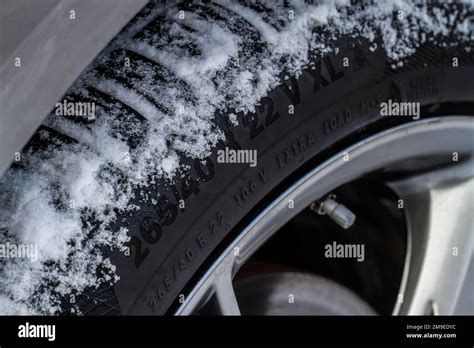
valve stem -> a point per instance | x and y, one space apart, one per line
338 213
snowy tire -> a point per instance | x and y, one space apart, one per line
169 99
333 107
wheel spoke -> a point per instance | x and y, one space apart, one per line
225 295
440 224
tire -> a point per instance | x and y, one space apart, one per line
179 231
334 106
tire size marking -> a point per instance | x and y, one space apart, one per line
251 120
215 224
180 264
150 228
140 252
167 282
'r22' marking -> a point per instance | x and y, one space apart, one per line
252 119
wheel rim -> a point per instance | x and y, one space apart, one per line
437 206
